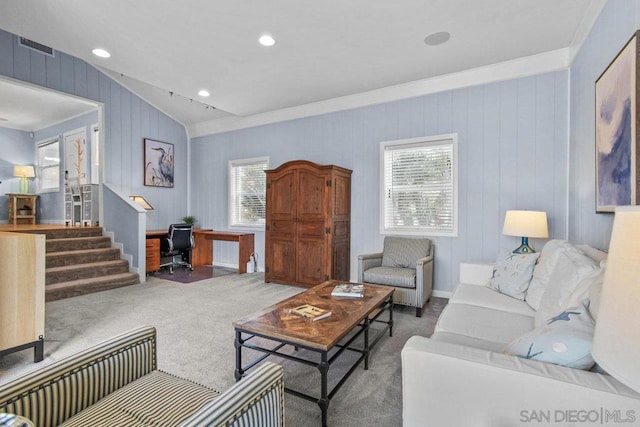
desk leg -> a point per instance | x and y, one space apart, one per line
245 249
202 253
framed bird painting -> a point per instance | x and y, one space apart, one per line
158 163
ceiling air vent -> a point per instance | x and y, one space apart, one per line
30 44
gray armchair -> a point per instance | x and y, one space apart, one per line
406 264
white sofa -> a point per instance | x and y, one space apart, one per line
460 377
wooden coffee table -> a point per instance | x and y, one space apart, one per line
277 324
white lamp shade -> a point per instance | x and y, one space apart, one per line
526 224
24 171
616 343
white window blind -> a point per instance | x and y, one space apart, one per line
419 189
247 192
48 153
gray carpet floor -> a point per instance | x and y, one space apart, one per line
195 341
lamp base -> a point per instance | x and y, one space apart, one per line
24 185
524 248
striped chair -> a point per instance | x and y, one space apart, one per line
404 263
118 383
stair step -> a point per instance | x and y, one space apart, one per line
87 286
67 232
67 273
59 259
77 243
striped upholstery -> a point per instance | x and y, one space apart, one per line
51 395
116 384
157 399
403 252
392 276
406 293
257 400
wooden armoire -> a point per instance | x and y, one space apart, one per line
308 223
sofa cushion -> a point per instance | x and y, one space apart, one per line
403 251
483 323
573 270
512 274
565 339
393 276
485 297
542 272
467 341
156 399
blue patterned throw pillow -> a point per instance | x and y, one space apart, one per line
564 340
512 274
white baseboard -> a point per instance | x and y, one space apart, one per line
232 265
441 294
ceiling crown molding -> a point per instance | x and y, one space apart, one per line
521 67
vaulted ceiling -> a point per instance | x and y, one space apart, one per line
166 50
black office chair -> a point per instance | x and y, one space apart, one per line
178 244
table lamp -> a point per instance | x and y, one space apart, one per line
24 172
616 343
525 224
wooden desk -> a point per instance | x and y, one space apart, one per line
202 253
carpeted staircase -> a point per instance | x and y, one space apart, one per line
80 260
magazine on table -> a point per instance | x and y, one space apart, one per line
348 290
310 312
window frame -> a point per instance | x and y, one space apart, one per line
41 144
450 139
232 165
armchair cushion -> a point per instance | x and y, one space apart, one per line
404 252
392 276
144 402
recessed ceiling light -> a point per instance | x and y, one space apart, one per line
266 40
101 53
437 38
204 93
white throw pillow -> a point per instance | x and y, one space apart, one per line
572 269
512 274
565 339
542 272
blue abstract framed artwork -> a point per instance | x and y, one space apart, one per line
617 131
158 163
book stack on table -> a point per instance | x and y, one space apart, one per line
348 290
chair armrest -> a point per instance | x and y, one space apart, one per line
424 278
439 378
258 399
367 261
43 395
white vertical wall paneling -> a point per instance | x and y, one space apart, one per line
496 124
123 132
615 25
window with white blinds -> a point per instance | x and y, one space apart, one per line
247 192
419 186
48 153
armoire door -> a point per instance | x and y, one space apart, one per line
312 229
281 228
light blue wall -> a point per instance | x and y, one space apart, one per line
51 205
128 119
512 140
616 24
16 148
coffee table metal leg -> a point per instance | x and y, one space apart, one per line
367 323
323 402
391 315
238 344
